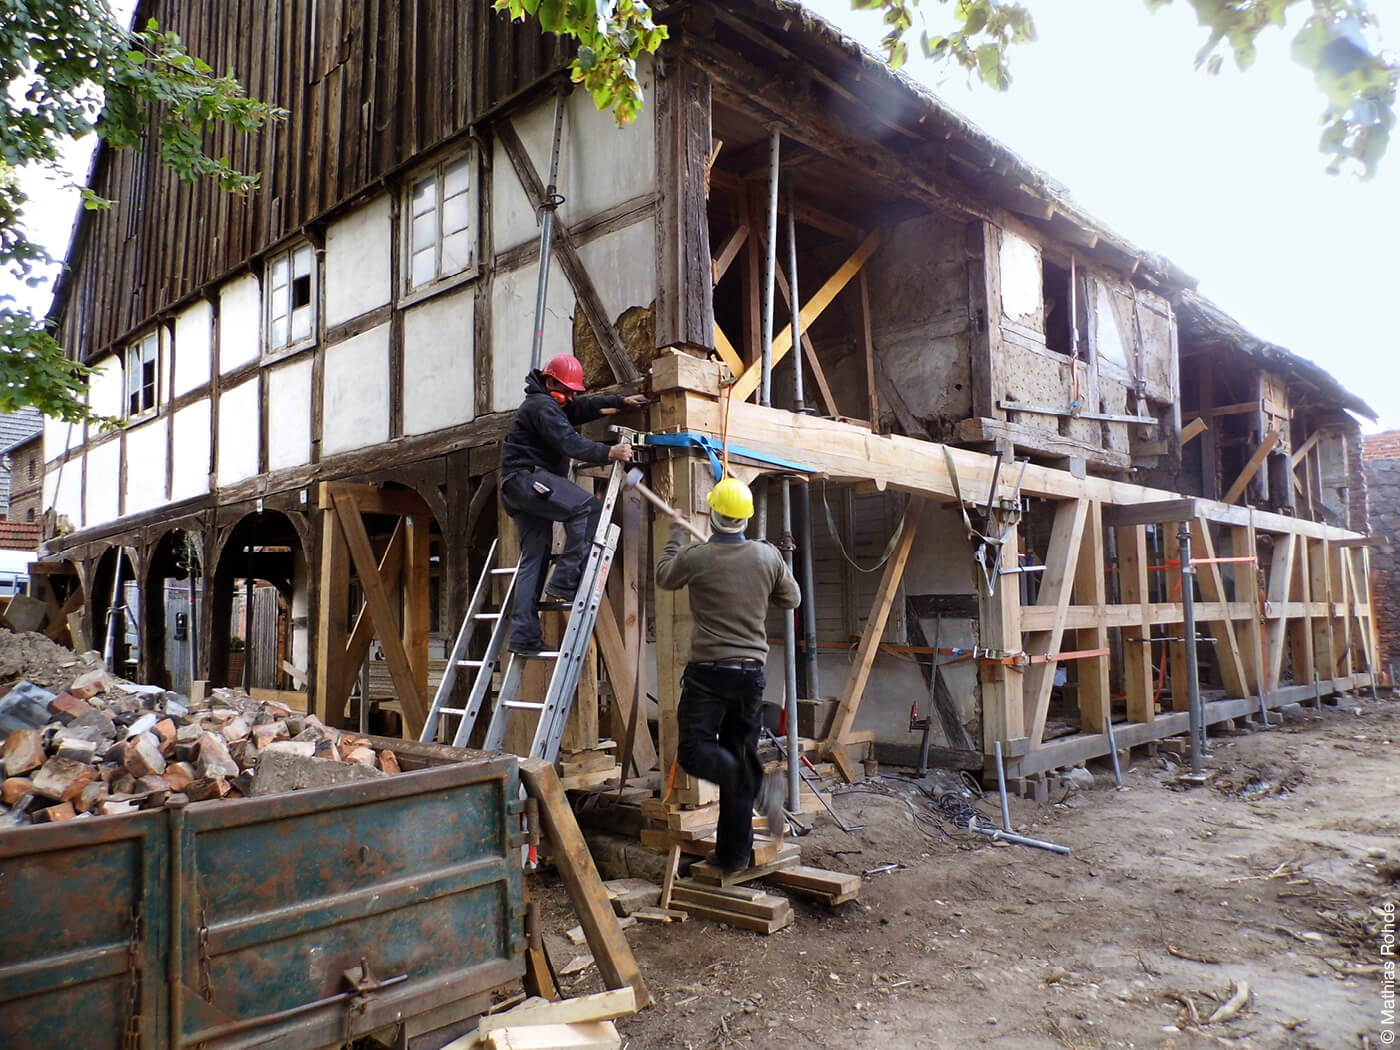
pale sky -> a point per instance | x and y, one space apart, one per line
1220 174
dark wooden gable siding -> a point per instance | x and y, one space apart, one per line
369 84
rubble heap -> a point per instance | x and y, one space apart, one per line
100 745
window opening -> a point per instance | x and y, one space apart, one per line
290 298
440 229
142 359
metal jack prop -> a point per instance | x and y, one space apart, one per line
998 520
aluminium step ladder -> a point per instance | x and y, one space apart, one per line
568 658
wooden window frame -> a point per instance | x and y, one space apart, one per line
290 255
135 351
443 274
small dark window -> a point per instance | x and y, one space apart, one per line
33 469
301 291
29 514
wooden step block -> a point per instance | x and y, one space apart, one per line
777 859
757 911
580 781
830 887
582 1035
765 850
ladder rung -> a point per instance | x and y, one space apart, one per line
524 705
504 572
471 663
452 710
488 616
546 655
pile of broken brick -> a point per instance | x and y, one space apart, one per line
105 746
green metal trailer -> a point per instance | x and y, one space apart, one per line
299 920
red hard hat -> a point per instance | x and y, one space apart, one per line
566 369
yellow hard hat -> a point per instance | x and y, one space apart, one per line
732 498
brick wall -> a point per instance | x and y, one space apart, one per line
1381 454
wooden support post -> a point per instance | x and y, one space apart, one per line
1251 468
1137 650
1324 657
1276 627
386 627
867 344
1300 628
809 350
1192 430
1003 707
622 674
674 481
1222 629
575 866
1061 558
1092 673
1246 580
416 608
332 609
870 641
811 310
1339 599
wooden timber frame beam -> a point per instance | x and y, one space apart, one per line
345 546
1313 595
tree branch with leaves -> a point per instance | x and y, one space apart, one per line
69 69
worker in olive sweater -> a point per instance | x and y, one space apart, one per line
732 581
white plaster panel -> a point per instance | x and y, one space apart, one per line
165 366
105 388
59 437
145 466
239 433
1022 282
103 476
190 462
240 322
438 370
355 412
623 267
358 277
1108 340
193 346
289 414
63 491
600 164
512 329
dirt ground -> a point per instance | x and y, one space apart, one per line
1274 875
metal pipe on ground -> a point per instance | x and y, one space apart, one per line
1001 787
997 835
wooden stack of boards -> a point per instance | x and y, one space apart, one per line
582 1023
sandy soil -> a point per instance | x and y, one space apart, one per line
1274 874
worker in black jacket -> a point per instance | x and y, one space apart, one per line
536 492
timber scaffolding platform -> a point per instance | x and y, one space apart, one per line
1286 587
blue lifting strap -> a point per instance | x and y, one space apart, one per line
713 449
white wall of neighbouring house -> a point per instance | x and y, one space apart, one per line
240 322
190 461
355 409
239 433
145 466
289 414
59 437
103 475
357 261
439 373
194 340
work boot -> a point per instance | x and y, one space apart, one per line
527 646
770 804
729 867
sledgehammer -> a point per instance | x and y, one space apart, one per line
634 480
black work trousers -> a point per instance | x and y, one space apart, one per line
718 720
534 512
